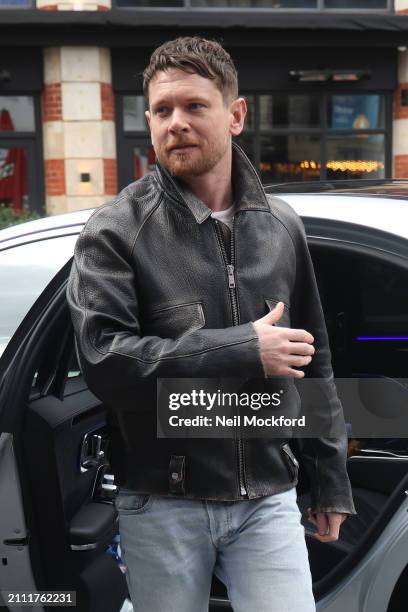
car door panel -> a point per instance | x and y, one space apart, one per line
61 444
364 295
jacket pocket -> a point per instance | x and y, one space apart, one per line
128 502
290 460
175 321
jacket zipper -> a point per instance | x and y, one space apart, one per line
235 321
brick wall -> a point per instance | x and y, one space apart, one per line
78 128
78 5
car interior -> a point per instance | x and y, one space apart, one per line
69 488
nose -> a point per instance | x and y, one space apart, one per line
178 121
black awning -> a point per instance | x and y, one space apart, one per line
252 18
236 28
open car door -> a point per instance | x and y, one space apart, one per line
57 517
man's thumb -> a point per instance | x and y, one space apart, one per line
275 314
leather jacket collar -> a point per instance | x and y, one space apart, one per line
248 191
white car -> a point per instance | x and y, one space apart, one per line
57 518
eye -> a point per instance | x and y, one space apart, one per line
196 105
161 110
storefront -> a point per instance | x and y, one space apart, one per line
321 114
326 84
21 160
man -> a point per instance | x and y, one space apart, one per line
194 272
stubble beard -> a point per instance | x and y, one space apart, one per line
183 166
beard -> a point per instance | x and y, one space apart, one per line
195 163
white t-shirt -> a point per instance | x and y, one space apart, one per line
225 215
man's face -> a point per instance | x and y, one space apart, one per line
191 126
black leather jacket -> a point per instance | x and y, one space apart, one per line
149 297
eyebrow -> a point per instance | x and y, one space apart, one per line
190 99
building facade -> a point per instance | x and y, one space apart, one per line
326 82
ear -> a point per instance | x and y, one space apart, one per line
147 115
238 110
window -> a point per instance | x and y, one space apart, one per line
347 5
133 114
149 3
17 114
298 137
356 4
355 112
14 178
288 111
355 156
19 148
383 299
16 3
282 4
292 157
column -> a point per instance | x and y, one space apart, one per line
78 128
400 119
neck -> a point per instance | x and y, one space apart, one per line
214 188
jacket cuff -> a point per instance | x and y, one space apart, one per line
336 502
258 346
339 509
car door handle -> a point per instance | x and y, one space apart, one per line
92 451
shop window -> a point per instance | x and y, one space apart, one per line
144 159
250 116
288 111
133 114
244 4
149 3
361 112
358 156
289 137
16 3
303 137
14 178
16 114
291 157
246 142
357 4
282 4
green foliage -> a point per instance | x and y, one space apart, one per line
11 216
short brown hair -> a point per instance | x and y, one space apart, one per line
194 54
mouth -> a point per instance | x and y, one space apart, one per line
182 148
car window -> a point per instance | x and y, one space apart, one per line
383 302
25 271
365 302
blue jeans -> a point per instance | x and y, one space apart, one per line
171 547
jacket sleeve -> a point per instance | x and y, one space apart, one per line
113 353
324 458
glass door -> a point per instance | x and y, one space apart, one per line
18 181
137 159
135 151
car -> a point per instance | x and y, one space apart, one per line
58 520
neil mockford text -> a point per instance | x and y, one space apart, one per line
210 401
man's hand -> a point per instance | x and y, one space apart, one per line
281 347
328 525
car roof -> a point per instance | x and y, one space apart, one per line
396 188
52 226
377 212
374 211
